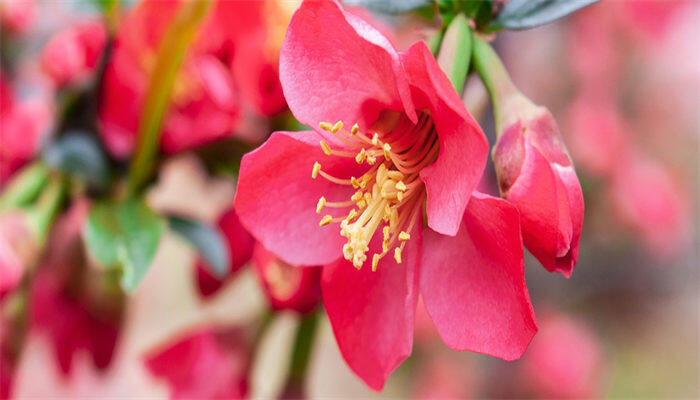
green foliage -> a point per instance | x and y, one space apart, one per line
79 154
207 240
124 235
525 14
391 6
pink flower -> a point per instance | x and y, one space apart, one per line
240 249
17 16
535 173
408 145
287 287
204 101
23 123
69 302
565 360
72 54
443 377
597 133
647 198
206 364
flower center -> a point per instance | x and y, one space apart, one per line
390 195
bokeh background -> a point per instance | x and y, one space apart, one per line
622 79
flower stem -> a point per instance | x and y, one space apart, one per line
455 51
306 332
493 74
171 53
47 206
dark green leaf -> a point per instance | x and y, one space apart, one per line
390 6
207 240
124 235
525 14
79 154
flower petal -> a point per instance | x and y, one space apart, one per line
473 284
449 181
276 197
335 66
372 313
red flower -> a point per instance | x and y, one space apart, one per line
72 54
536 175
240 249
69 302
208 364
23 123
408 145
204 103
652 202
564 361
287 287
597 133
231 67
17 16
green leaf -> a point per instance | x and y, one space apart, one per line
455 51
24 187
525 14
208 241
390 6
124 235
77 153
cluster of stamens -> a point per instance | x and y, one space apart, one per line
390 194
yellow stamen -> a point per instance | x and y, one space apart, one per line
327 219
387 149
355 182
320 204
325 126
357 196
375 139
371 160
401 186
354 129
361 204
395 175
397 254
314 172
326 148
399 196
360 157
338 126
403 236
351 215
375 261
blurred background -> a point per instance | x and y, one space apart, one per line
622 78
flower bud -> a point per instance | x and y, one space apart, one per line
535 174
287 287
534 170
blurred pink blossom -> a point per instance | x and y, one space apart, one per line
205 364
73 53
